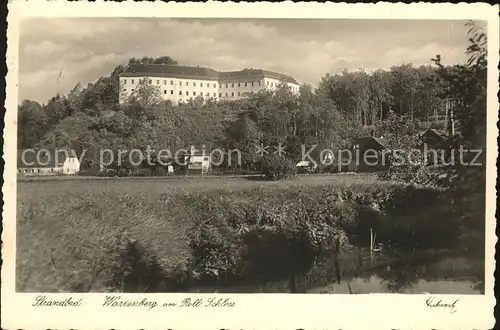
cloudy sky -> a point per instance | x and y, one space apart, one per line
56 54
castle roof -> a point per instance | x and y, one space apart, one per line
169 71
258 73
196 72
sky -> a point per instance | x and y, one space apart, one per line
55 53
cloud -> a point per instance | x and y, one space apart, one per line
419 55
43 48
88 48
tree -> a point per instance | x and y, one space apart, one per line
32 124
146 94
404 162
150 60
405 83
244 135
56 109
69 133
429 104
381 97
165 60
466 86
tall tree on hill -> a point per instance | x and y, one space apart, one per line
150 60
428 104
337 88
405 83
381 96
56 109
32 124
361 93
466 85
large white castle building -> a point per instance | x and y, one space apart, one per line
181 83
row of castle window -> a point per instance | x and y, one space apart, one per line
171 83
207 84
194 93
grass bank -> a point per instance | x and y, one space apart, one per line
150 235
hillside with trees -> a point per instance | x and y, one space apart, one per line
342 107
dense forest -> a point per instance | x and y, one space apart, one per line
343 106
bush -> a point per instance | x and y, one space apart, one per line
123 172
111 172
268 233
89 172
142 172
275 167
160 171
133 268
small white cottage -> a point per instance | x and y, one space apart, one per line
47 162
197 162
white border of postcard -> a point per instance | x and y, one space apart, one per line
252 311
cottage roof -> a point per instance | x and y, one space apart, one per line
383 142
196 72
43 158
365 140
437 133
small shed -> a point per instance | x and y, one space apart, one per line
368 154
437 145
434 139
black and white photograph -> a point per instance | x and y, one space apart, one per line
218 156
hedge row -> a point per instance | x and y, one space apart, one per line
271 234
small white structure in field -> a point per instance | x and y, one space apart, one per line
47 162
197 162
306 166
71 165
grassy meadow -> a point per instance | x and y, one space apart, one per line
143 234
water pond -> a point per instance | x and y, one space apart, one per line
361 272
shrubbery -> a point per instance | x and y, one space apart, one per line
275 167
138 172
160 171
222 235
270 233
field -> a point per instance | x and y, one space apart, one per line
124 234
